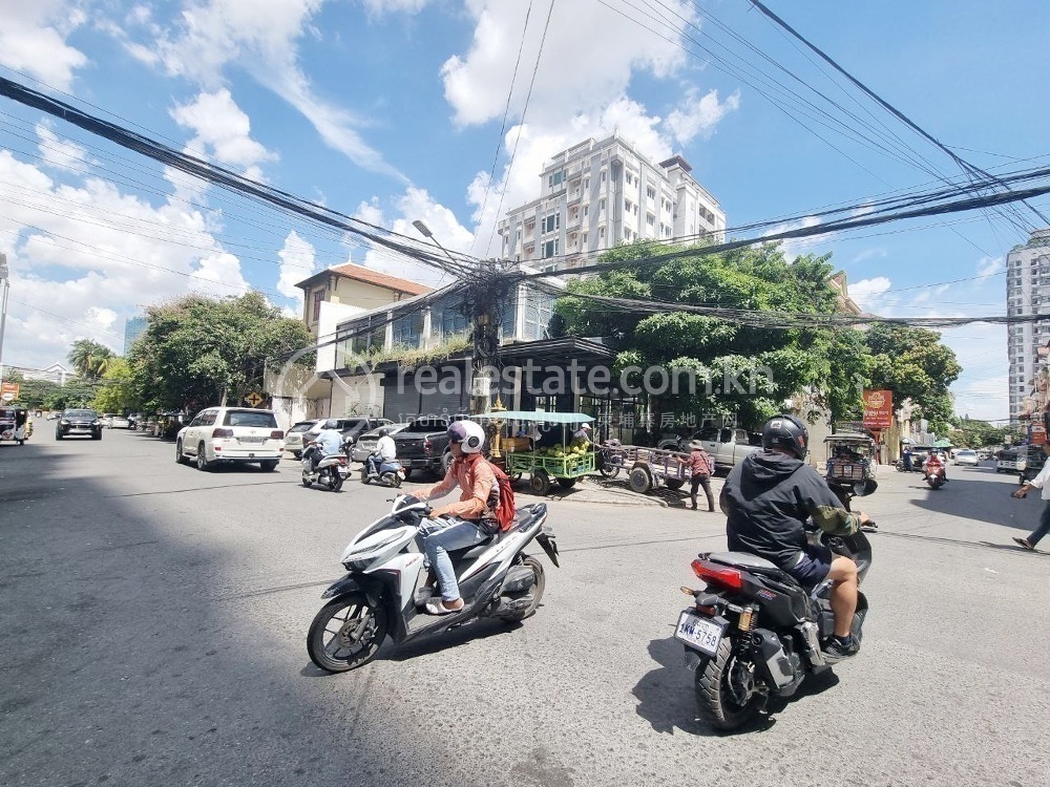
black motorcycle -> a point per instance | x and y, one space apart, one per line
754 633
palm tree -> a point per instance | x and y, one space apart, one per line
89 358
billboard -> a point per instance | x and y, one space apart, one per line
878 409
8 391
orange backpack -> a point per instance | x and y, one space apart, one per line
505 510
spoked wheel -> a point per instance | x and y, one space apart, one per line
202 458
540 482
346 633
536 592
726 694
609 471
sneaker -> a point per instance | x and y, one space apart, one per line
835 650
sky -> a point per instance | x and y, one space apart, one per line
446 111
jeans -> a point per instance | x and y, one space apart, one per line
443 536
372 462
1044 526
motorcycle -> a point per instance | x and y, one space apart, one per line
385 591
935 477
330 472
391 473
755 633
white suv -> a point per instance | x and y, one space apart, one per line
231 434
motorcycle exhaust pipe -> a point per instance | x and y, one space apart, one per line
771 655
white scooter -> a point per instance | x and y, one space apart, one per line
330 472
385 591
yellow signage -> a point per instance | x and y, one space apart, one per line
253 399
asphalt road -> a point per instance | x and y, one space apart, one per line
154 618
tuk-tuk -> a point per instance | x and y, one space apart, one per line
13 424
850 468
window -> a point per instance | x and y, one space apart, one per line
556 178
586 184
650 219
627 205
586 209
603 176
318 298
626 234
584 239
552 222
650 192
408 330
550 249
601 233
601 204
628 179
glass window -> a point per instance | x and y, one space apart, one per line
408 330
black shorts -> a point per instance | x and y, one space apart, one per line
814 565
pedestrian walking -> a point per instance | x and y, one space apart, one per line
1039 482
701 466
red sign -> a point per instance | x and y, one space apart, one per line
878 409
8 391
1038 434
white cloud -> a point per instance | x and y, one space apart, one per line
261 38
379 7
866 292
84 256
61 154
584 72
989 266
223 132
699 118
297 263
33 39
793 247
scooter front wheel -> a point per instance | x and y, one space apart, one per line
346 633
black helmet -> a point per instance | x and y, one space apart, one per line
384 431
787 433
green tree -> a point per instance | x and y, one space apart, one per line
89 358
914 364
770 363
116 393
199 351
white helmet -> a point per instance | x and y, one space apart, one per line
469 435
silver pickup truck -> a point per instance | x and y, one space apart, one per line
726 446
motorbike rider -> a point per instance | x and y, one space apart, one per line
468 521
934 461
329 441
767 499
386 451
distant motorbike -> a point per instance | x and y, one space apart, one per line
754 633
330 472
391 473
385 591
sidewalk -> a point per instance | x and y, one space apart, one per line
615 491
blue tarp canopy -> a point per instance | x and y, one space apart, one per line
535 416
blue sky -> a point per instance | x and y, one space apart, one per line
443 110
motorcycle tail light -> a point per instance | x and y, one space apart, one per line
718 575
216 433
276 434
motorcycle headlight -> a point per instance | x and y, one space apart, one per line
64 422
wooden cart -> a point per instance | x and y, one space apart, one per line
647 468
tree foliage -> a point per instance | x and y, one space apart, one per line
116 394
770 364
914 364
198 351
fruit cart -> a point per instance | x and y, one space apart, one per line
561 463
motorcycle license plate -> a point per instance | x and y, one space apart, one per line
704 635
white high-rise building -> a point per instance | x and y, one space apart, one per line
1027 293
596 195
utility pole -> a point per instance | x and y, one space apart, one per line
5 283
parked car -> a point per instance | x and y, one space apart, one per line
351 427
231 434
366 443
1034 461
107 420
967 456
78 422
119 422
423 445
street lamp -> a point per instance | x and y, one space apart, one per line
424 230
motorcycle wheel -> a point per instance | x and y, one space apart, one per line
306 481
364 476
336 483
391 479
346 633
725 690
537 590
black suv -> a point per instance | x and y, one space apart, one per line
78 422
